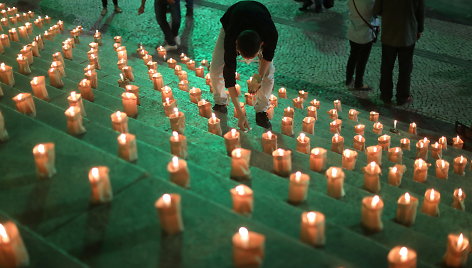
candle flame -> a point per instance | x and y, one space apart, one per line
3 66
213 116
95 174
311 217
118 114
233 133
237 153
459 192
240 190
316 151
3 234
347 153
375 201
41 148
403 254
404 141
244 234
397 150
280 151
175 162
175 134
334 172
394 124
443 164
394 169
167 199
431 195
176 111
461 159
122 138
460 240
168 101
73 95
302 137
372 166
407 197
298 176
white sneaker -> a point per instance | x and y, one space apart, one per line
177 40
169 47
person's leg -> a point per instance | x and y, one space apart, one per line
364 52
160 7
318 6
176 17
351 62
389 55
117 8
405 66
263 94
104 3
216 71
189 6
115 2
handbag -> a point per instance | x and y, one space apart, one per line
375 28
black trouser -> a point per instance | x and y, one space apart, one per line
170 31
357 61
405 66
105 3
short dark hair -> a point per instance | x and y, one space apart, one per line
248 43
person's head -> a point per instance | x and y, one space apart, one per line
248 44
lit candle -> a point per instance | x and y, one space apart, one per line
85 89
100 185
458 250
352 114
122 53
242 199
312 111
250 99
273 100
430 203
169 211
232 140
303 94
377 128
97 37
166 92
74 121
395 174
395 155
405 144
373 116
289 112
182 75
13 35
127 148
335 182
34 49
349 159
460 163
161 51
195 95
298 102
421 150
458 199
121 63
91 75
128 72
337 144
270 112
318 159
333 114
191 65
384 142
308 125
157 81
171 63
240 159
359 129
75 99
23 32
358 143
12 248
55 78
3 131
44 158
6 74
199 71
130 104
248 248
372 177
401 257
287 126
59 67
442 169
406 209
337 105
269 142
412 128
312 229
282 162
178 172
372 207
420 172
214 125
208 81
374 154
335 126
282 93
25 104
303 144
178 145
67 50
443 142
298 187
253 83
119 122
204 108
457 142
169 106
23 66
5 40
117 39
38 86
177 121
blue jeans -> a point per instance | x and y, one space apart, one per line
170 31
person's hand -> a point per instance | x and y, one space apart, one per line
242 123
141 10
255 83
418 36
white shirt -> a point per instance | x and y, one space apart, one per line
358 31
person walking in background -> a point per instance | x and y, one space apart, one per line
171 32
105 5
402 26
248 30
361 35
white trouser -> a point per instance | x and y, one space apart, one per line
218 82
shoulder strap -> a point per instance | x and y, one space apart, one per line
357 10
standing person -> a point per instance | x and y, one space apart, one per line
248 30
402 26
189 6
105 5
171 32
361 36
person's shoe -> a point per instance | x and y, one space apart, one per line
118 9
362 88
263 120
386 101
189 12
220 108
349 84
170 47
177 40
104 12
409 99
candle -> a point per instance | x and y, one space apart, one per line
67 50
313 228
242 199
372 177
359 129
171 63
287 126
248 248
38 86
405 144
6 75
412 128
240 159
195 95
442 169
303 94
191 65
59 67
270 112
443 142
117 39
337 105
384 142
298 187
55 78
373 116
74 121
119 122
91 75
289 112
157 81
282 93
200 72
25 104
161 51
372 207
352 114
12 248
122 53
349 159
128 73
166 92
214 125
406 209
204 108
23 66
169 211
458 250
318 159
374 154
298 102
183 85
377 128
232 140
335 126
34 49
23 32
85 89
100 185
178 172
457 142
121 63
182 75
5 40
134 90
273 100
253 83
312 112
269 142
430 203
458 199
335 182
333 114
421 150
177 121
250 99
58 57
208 81
204 63
127 148
27 52
13 35
420 172
308 125
337 144
178 145
44 158
75 99
169 106
401 257
358 143
395 155
3 131
303 144
130 104
282 162
460 163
